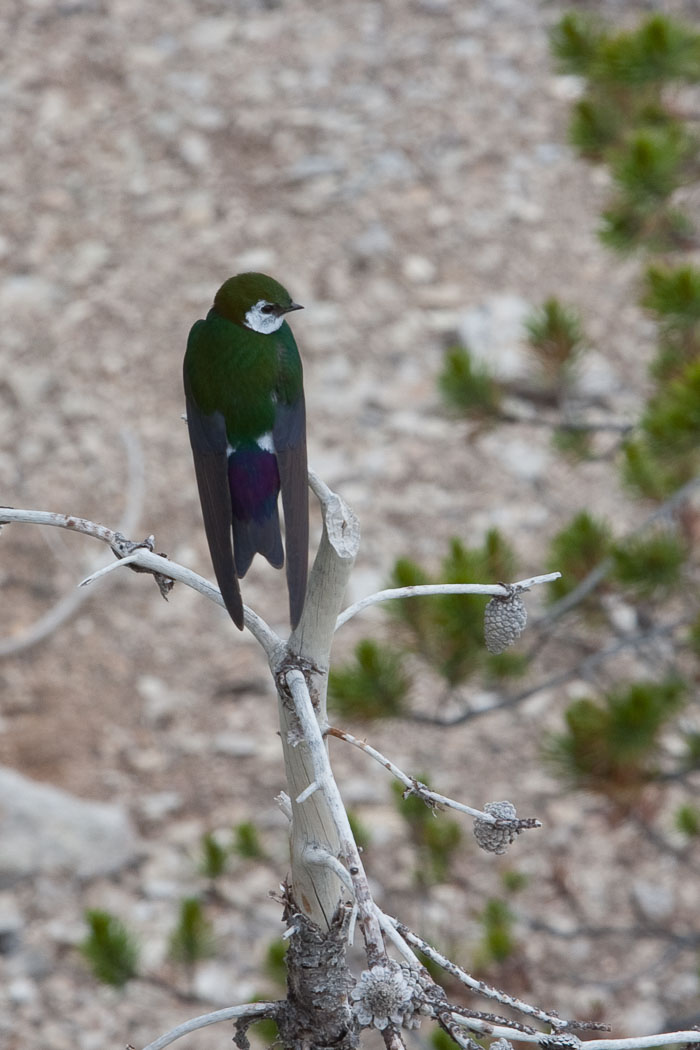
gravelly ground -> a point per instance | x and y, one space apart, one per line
395 165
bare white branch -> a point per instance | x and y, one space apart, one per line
387 925
475 1024
308 792
423 589
230 1013
472 982
633 1042
412 785
99 573
285 804
144 558
317 855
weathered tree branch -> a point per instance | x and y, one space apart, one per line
230 1013
420 790
497 590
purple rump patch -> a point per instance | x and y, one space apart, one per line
254 481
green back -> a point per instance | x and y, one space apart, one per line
242 374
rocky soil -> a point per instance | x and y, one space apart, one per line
402 168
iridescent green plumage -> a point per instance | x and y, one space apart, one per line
246 419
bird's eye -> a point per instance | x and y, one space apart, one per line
268 308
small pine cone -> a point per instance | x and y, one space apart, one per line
489 836
504 621
562 1041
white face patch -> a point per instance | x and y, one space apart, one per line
262 319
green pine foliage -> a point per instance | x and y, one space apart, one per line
572 443
642 472
213 857
360 831
374 686
576 41
658 51
267 1031
624 119
435 836
513 880
440 1040
276 962
579 547
556 339
109 949
647 169
498 941
691 759
672 294
688 820
650 564
666 452
612 747
694 636
467 386
596 125
447 630
193 937
246 841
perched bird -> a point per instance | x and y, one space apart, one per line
247 423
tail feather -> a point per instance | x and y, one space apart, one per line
257 537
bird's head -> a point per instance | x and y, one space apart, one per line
255 301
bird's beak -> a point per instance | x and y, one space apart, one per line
293 306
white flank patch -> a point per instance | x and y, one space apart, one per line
265 323
265 442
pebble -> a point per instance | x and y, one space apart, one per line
656 901
11 924
418 270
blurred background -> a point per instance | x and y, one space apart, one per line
403 168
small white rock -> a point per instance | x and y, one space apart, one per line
418 270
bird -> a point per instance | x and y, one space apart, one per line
246 417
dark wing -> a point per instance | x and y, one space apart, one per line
289 436
209 445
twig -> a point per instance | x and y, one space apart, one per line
543 1039
580 670
317 855
597 574
413 786
228 1014
420 590
471 982
570 425
144 559
390 930
393 1039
